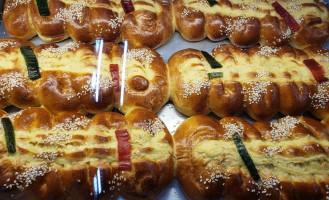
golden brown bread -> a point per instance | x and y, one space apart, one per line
260 80
73 79
153 22
69 156
86 20
291 156
249 22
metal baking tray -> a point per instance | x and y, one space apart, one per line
168 114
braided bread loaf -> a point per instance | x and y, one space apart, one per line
152 23
86 20
69 156
260 80
291 156
249 22
77 77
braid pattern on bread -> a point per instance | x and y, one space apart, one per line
69 156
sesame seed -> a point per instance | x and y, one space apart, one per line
267 51
49 156
153 126
255 91
144 55
320 99
262 73
10 81
14 4
70 124
74 12
283 128
104 83
57 137
5 44
296 7
194 87
232 128
187 12
272 151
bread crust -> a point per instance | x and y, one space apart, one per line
86 156
68 74
206 168
261 81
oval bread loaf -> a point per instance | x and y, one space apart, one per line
86 20
291 156
69 156
260 80
77 77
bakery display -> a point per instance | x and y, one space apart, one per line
249 22
69 156
291 157
260 80
150 24
81 78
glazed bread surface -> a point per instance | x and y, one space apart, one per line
77 77
86 20
249 22
260 80
154 21
69 156
291 156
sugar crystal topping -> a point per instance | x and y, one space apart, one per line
153 126
10 81
255 90
320 99
144 55
282 129
231 129
194 87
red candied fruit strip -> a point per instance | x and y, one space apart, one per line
124 149
316 69
291 22
114 69
127 6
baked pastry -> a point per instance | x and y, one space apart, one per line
149 25
69 156
291 157
246 23
79 77
260 80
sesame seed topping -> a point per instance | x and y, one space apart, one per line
231 129
272 151
57 137
296 7
262 73
5 44
104 83
267 51
57 52
320 99
194 87
14 4
10 81
28 176
74 12
187 12
264 185
153 126
49 156
282 129
255 90
144 55
72 124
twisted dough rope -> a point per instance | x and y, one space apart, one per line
153 22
